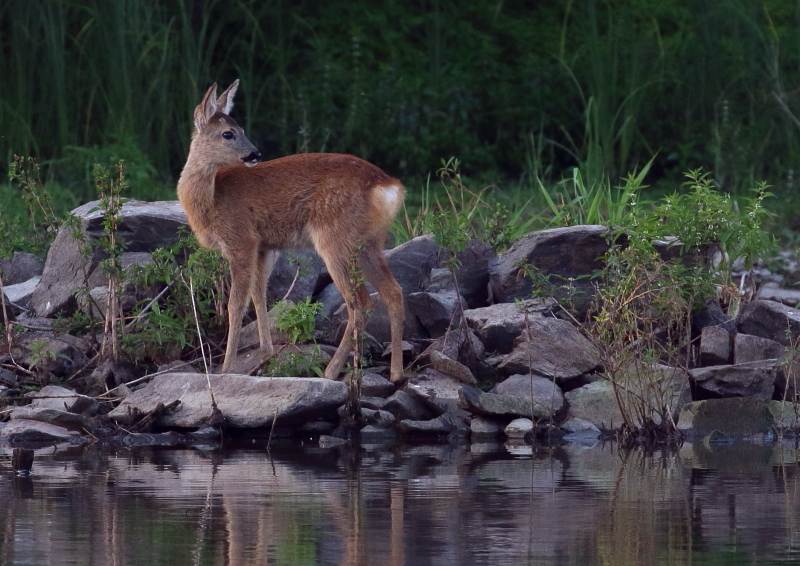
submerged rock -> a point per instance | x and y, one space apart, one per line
734 418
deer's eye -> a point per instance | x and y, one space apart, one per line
228 135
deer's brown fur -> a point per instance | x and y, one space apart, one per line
339 204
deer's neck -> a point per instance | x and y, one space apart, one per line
196 192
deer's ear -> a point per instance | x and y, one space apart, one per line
206 109
225 100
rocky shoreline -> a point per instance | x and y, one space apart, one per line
486 360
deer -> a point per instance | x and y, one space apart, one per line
249 210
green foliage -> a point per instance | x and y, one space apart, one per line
308 362
297 320
43 224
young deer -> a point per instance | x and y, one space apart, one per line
339 204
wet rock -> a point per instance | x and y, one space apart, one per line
23 430
20 268
21 293
61 399
519 428
436 391
490 404
755 379
482 428
498 326
749 348
245 402
552 348
64 419
785 413
436 311
736 418
145 227
527 386
373 434
171 438
569 255
715 346
205 434
595 403
404 406
772 320
326 441
383 419
442 425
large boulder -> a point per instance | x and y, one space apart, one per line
498 326
532 386
437 312
748 348
553 348
244 401
20 268
754 379
492 405
772 320
472 272
734 418
298 272
145 227
24 430
565 256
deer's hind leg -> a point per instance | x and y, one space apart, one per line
377 273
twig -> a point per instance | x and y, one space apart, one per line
296 276
147 307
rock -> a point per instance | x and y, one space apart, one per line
245 401
472 272
411 262
442 425
326 441
21 293
655 391
436 311
374 403
373 385
372 434
527 386
306 265
20 268
404 406
383 419
566 256
9 310
62 355
755 379
64 419
22 430
436 391
790 297
552 348
712 315
715 346
519 428
772 320
785 413
736 418
575 425
498 326
479 403
145 227
61 399
170 438
460 345
747 348
483 428
206 434
452 368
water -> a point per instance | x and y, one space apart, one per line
426 505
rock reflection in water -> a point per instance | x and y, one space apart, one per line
421 505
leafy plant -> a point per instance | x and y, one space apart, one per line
297 320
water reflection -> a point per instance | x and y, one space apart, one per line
420 505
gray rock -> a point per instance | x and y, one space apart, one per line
374 403
460 345
748 348
562 254
575 425
326 441
736 418
71 421
498 326
790 297
715 346
552 348
526 386
245 401
452 368
436 391
170 438
772 320
519 428
483 428
373 385
436 311
21 293
472 272
479 403
383 419
786 414
306 265
755 379
404 406
22 430
373 434
442 425
595 403
209 433
411 262
61 355
61 399
20 268
145 227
